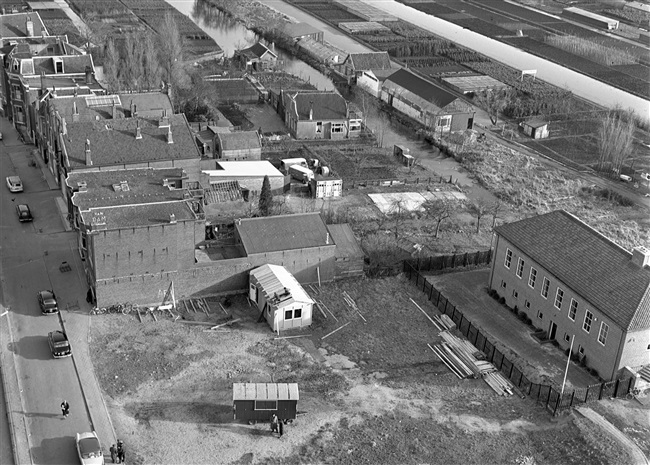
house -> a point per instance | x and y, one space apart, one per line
426 103
299 31
248 173
371 80
577 285
280 298
320 115
257 57
535 128
238 145
355 63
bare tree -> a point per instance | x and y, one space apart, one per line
111 67
495 209
398 213
493 101
479 207
133 62
616 135
438 210
170 49
152 71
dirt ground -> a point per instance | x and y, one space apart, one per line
370 393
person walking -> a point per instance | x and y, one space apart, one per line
121 451
65 408
113 450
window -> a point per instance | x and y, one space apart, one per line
532 277
297 313
337 127
355 125
589 317
559 295
503 284
602 334
573 310
581 350
319 127
515 294
508 260
520 268
545 287
527 304
540 315
444 121
266 405
288 314
566 337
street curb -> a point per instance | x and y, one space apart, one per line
20 443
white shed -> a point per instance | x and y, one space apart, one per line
280 298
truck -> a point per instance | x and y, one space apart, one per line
301 173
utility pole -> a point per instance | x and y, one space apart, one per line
566 371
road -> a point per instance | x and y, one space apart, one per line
31 254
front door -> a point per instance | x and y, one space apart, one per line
552 329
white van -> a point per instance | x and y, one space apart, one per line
288 162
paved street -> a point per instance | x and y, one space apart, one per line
31 256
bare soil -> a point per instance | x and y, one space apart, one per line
370 393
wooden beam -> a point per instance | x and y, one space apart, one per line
227 323
337 329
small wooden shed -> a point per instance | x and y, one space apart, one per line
280 297
535 128
255 402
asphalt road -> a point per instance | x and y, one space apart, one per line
31 254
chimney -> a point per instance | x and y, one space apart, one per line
172 218
311 110
163 122
75 91
138 132
89 160
131 108
75 112
641 256
89 75
169 136
29 26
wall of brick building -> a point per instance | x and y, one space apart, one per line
602 358
216 277
254 183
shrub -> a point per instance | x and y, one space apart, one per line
502 300
528 320
516 310
496 295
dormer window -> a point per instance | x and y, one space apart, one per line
58 66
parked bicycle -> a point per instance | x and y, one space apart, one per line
633 393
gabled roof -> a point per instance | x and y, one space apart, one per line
325 105
300 29
280 288
239 140
420 87
584 260
15 25
369 60
535 123
113 141
257 50
284 232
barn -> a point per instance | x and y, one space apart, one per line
280 297
239 145
255 402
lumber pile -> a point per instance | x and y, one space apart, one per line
352 304
499 383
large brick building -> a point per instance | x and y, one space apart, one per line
573 281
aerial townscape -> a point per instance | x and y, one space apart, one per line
325 232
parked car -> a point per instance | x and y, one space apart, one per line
14 183
47 301
59 344
89 449
24 213
0 136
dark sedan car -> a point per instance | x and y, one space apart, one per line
59 344
24 213
47 301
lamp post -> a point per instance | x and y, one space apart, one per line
566 370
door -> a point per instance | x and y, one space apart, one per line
552 329
253 293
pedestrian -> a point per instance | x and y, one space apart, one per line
65 408
113 450
121 451
281 425
274 423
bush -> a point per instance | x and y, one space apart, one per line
502 300
522 316
528 320
496 295
515 310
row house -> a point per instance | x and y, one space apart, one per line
579 287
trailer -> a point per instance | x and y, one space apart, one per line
253 402
289 162
301 173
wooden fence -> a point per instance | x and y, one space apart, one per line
541 393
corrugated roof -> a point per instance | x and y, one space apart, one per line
370 60
283 232
326 106
591 265
343 237
265 391
239 140
280 288
420 87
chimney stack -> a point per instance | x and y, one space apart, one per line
29 26
114 111
135 110
75 112
311 110
327 239
131 108
89 75
641 256
172 218
138 132
89 160
169 135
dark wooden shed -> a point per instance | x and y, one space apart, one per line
255 402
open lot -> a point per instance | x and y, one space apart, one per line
370 393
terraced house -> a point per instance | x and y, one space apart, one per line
572 281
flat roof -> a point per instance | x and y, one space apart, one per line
130 216
243 169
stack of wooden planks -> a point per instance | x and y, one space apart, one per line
499 383
352 304
443 322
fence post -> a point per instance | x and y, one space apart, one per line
548 399
602 388
512 366
438 300
430 292
618 381
573 395
476 338
557 405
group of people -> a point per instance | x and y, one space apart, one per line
118 452
277 426
65 408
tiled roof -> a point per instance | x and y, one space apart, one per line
325 105
257 50
587 262
129 216
113 142
144 185
370 60
343 237
150 103
284 232
14 25
418 86
239 140
300 29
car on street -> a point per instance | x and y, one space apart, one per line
59 344
14 183
0 136
47 301
89 449
24 213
